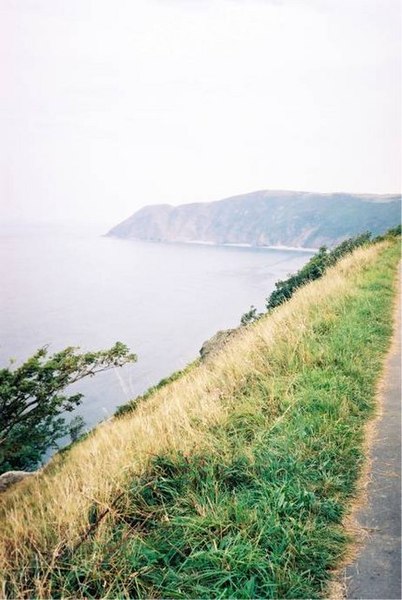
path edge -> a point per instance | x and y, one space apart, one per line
337 588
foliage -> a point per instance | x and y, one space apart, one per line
390 234
250 316
75 428
32 400
314 269
347 246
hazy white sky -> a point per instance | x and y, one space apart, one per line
108 105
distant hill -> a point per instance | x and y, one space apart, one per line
266 218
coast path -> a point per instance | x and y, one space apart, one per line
376 572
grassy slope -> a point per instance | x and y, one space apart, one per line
233 480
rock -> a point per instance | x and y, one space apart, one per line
216 343
11 477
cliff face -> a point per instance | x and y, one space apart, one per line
266 218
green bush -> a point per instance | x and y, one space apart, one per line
33 402
314 269
391 233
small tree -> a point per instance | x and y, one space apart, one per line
250 316
32 400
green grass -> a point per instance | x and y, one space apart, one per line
260 515
255 512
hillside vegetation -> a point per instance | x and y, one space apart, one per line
266 218
232 480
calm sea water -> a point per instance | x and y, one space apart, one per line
162 300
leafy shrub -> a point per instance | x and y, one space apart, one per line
314 269
32 401
250 316
391 233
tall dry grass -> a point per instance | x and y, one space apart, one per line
49 512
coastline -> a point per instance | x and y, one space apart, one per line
217 245
292 248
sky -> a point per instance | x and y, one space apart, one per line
110 105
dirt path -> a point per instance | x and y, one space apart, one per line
376 572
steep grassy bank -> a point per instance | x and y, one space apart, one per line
229 482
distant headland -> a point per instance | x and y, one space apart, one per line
266 218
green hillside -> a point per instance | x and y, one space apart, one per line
233 480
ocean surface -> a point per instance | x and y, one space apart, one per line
64 287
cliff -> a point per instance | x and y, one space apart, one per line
266 218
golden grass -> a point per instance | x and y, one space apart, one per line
50 510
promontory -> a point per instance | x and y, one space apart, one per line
266 218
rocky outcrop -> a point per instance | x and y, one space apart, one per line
266 218
12 477
212 346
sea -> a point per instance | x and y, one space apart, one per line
72 286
